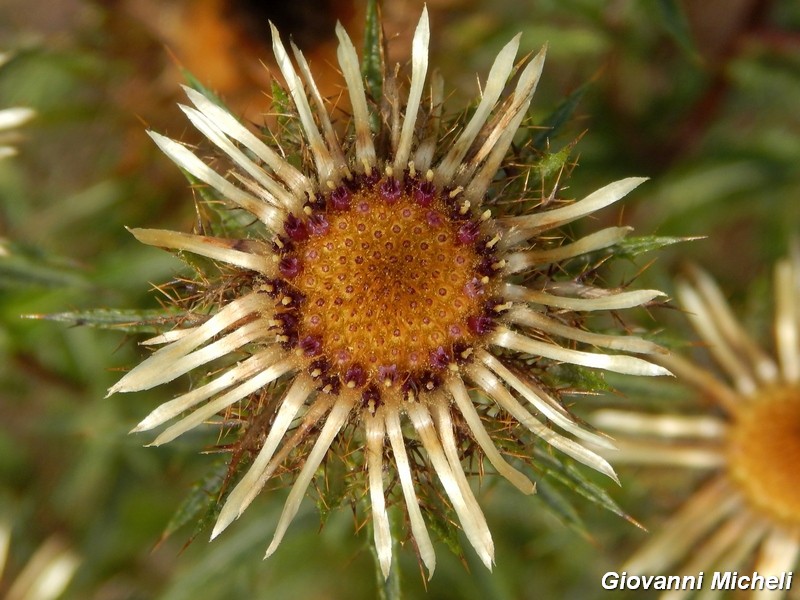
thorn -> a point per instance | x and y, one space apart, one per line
429 175
331 185
307 210
411 170
455 193
487 214
389 171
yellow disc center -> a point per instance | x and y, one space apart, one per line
764 453
388 285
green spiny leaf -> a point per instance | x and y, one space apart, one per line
443 527
560 505
372 64
130 321
559 117
288 136
552 163
333 490
565 473
576 377
633 246
281 103
201 502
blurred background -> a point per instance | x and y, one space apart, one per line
702 97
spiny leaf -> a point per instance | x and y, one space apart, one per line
130 321
372 63
281 103
631 247
551 126
576 377
218 218
333 490
558 503
203 498
289 130
442 524
553 162
565 473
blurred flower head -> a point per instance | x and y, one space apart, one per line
46 575
10 119
750 506
387 296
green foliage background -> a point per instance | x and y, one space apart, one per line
702 102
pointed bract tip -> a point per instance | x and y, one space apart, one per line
541 55
663 372
612 474
218 528
488 561
271 550
635 181
155 136
340 30
385 567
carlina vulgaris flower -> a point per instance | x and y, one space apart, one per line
382 289
748 511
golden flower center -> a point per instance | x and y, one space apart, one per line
764 452
395 281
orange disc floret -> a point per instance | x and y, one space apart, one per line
397 281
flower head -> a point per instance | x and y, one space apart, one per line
48 572
10 119
380 284
751 444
